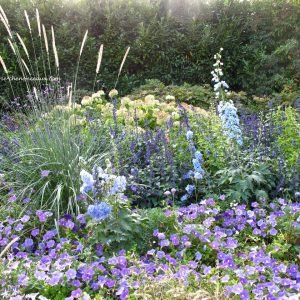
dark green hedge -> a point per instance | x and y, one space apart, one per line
173 41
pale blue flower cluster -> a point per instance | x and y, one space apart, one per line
188 175
230 121
99 211
189 135
119 185
109 184
184 197
88 182
189 189
199 172
197 161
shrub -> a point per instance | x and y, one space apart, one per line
174 45
201 96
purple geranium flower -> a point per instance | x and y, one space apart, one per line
45 173
76 293
237 288
12 198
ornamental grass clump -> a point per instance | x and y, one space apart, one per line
45 163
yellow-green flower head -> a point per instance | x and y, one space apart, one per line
109 106
170 98
140 114
149 99
175 116
45 115
176 123
87 100
125 100
113 93
122 112
98 94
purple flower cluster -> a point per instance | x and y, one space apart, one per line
239 249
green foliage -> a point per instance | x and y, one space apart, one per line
245 179
211 141
156 219
122 230
56 293
288 239
288 137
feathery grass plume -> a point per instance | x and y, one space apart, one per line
40 38
12 46
45 39
6 72
37 106
70 94
26 67
4 15
32 42
35 93
4 20
100 54
27 54
80 52
38 21
23 45
54 48
27 20
68 89
46 46
83 42
55 54
122 64
15 49
3 65
70 98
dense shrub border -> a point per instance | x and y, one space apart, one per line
170 40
